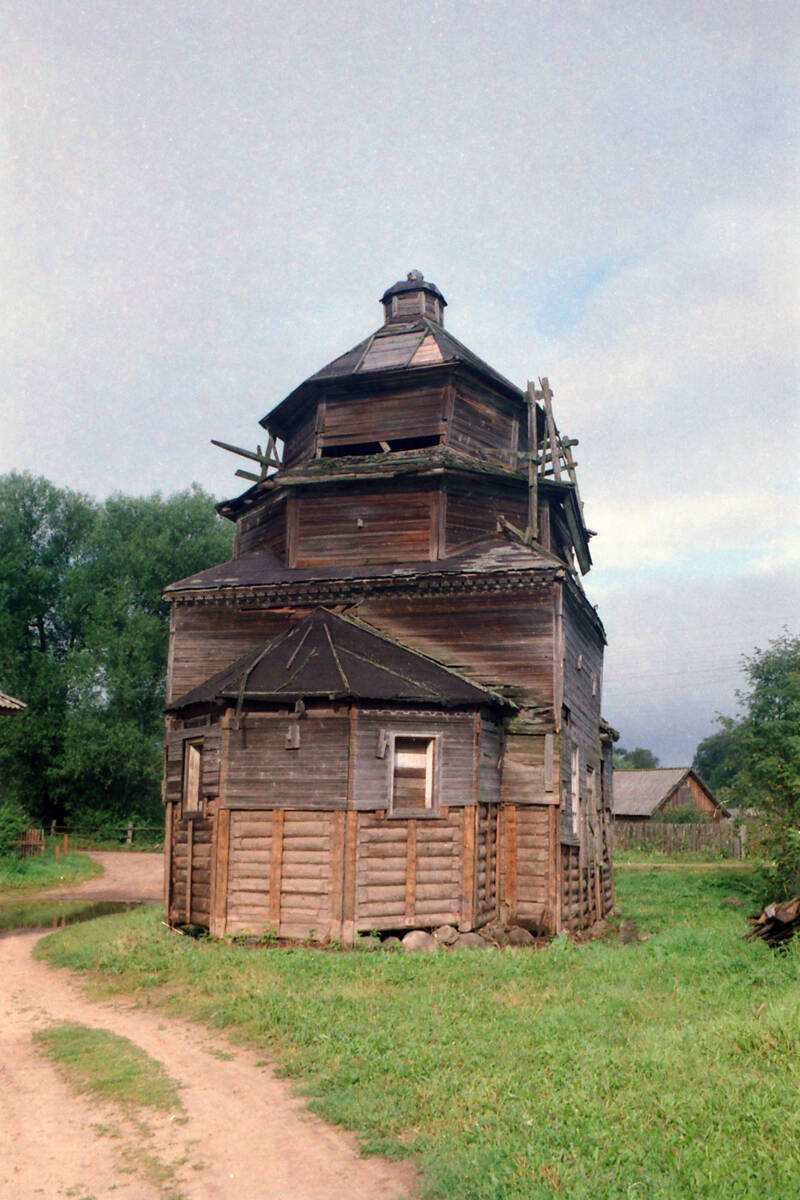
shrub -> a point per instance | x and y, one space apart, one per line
13 823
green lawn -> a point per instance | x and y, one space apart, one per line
19 875
665 1068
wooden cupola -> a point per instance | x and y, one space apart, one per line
411 297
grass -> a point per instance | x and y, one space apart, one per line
107 1066
667 1068
19 875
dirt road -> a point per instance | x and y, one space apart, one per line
244 1137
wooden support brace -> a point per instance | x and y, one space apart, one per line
337 873
189 856
276 869
349 878
219 887
469 849
168 865
411 873
510 861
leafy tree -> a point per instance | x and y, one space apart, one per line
634 760
754 760
83 640
44 533
719 757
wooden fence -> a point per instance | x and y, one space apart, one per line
717 838
31 843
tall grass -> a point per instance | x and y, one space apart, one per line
665 1068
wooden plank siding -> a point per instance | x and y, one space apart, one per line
206 639
455 752
363 527
383 417
493 638
300 443
263 529
263 773
473 512
485 425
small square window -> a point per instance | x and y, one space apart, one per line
413 761
192 777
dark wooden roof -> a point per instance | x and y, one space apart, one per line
9 705
642 793
392 348
328 656
489 554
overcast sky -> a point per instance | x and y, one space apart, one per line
202 203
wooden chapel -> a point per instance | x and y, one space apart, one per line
384 712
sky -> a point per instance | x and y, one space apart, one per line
202 204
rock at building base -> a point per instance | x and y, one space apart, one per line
517 936
446 935
418 939
470 941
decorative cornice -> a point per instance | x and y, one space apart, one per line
344 591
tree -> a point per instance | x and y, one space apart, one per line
44 534
755 758
83 640
719 757
634 760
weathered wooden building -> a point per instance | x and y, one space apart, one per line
384 712
648 795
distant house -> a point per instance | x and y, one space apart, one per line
9 705
646 795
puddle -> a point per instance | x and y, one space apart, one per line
55 914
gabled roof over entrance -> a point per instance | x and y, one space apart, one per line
328 656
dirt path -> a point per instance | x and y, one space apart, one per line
245 1137
127 875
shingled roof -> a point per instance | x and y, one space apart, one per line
329 656
9 705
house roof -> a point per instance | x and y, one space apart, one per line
641 793
329 656
9 705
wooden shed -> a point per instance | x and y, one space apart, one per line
403 617
647 795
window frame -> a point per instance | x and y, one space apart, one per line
575 790
193 744
432 803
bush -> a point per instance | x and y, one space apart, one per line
684 814
13 823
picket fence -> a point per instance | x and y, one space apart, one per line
717 838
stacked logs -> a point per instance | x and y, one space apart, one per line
777 923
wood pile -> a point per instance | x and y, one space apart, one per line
777 923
